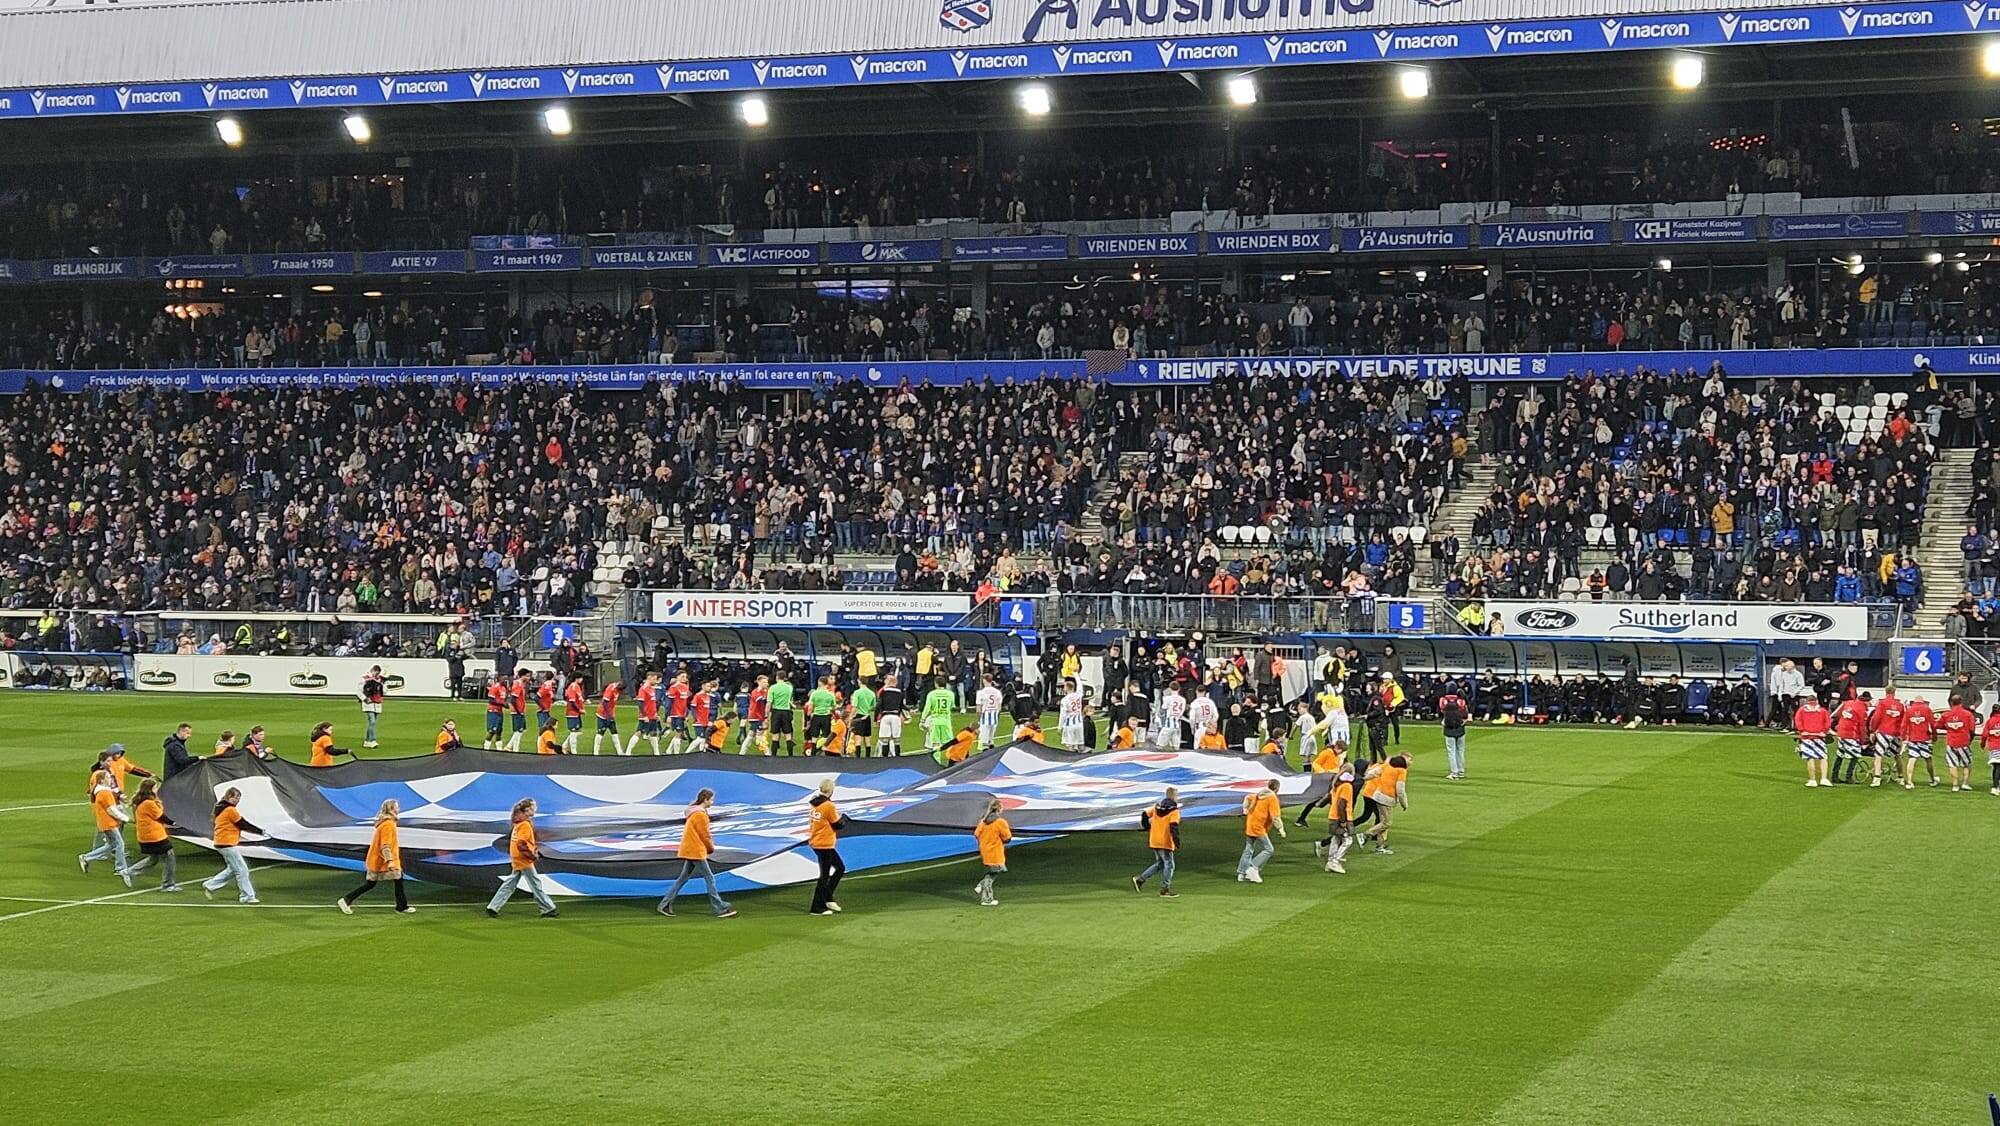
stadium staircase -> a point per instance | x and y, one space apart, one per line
1455 515
1091 529
1945 501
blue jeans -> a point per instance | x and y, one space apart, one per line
688 870
109 842
1454 752
1256 850
233 868
1163 865
525 877
372 716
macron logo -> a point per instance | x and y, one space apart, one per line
1062 58
1849 17
37 97
208 92
478 83
298 91
569 79
1382 41
388 88
124 96
860 64
1166 52
958 61
1494 34
1973 12
1610 31
763 68
1274 45
1728 22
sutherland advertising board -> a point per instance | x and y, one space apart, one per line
799 609
1683 621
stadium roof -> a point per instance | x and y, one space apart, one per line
1745 86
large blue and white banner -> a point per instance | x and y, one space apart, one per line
763 254
1980 224
196 266
611 826
786 44
1768 363
88 269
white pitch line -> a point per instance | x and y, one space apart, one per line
218 906
56 805
100 899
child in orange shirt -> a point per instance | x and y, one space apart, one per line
993 833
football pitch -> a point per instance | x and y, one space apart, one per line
1597 927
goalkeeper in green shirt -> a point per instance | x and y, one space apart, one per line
936 715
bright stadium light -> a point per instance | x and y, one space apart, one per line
556 120
1989 59
756 112
1933 258
1414 82
230 130
1665 265
1036 101
1687 72
1242 90
358 128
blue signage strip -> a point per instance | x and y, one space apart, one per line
197 266
413 262
1507 236
1871 224
1021 248
524 261
312 264
1136 246
644 257
764 254
1151 46
1764 363
1311 240
893 252
15 270
1977 223
88 269
1732 228
1365 239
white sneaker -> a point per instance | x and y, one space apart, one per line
125 876
1336 866
1254 876
346 908
1909 785
989 903
833 907
1874 782
1934 782
1812 783
1996 791
1319 849
85 864
406 910
1385 850
1241 878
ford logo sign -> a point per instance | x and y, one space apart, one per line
1545 619
1801 622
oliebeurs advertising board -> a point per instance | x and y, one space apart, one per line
1682 621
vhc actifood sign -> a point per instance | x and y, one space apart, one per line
1683 621
786 608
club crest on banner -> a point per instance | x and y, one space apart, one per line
965 15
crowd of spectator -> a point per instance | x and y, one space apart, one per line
55 213
1642 311
1686 484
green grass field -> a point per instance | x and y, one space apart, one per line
1598 927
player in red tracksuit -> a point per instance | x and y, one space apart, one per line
574 704
1989 737
1960 724
607 717
1919 733
1850 726
1812 723
1885 726
649 695
517 698
496 712
678 694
